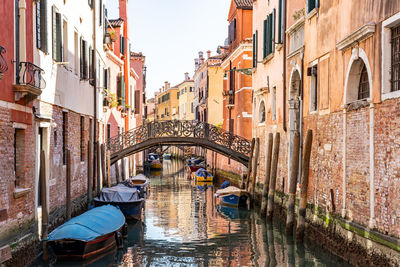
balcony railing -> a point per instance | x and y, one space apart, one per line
29 81
3 62
30 74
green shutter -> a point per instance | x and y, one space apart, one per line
273 16
123 90
265 28
58 38
81 58
254 50
43 26
256 55
54 33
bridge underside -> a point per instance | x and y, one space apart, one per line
180 141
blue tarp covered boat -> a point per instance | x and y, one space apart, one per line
201 175
94 231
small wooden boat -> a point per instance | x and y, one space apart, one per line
126 198
140 182
85 236
154 161
232 196
201 175
167 156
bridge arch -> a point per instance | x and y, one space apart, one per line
186 133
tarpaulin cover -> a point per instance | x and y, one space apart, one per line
90 225
119 193
202 173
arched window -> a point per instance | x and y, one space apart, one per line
261 113
363 87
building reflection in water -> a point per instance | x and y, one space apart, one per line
183 226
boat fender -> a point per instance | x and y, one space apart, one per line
125 230
119 240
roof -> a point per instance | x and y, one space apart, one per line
246 4
116 22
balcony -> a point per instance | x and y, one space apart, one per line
29 82
3 62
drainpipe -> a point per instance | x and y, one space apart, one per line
284 67
94 90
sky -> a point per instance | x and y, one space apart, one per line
170 33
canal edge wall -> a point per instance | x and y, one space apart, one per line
354 243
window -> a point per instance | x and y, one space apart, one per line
82 138
19 156
83 60
65 41
363 88
90 3
255 49
261 113
122 44
57 45
108 130
312 72
191 89
91 66
232 86
269 34
281 30
232 31
101 12
76 53
137 101
192 107
64 136
395 59
120 90
41 25
177 95
311 5
182 91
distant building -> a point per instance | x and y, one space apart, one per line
167 103
186 107
150 110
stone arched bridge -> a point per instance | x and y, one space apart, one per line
183 133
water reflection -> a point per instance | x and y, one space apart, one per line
183 226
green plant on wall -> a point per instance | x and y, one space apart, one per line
298 14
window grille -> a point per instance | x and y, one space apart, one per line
395 59
363 88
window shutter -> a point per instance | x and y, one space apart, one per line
254 50
256 55
81 58
123 90
86 59
265 27
317 3
101 12
43 26
58 37
90 63
234 29
137 101
108 78
119 93
273 16
54 33
38 25
268 37
105 19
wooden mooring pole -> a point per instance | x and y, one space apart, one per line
116 166
123 177
294 172
90 174
301 221
108 170
246 180
274 169
103 166
255 167
45 213
267 174
68 185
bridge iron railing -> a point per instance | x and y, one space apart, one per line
179 128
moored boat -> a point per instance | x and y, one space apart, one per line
140 182
232 196
95 231
154 161
126 198
201 175
167 156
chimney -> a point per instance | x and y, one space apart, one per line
163 89
201 55
196 63
208 54
166 86
187 76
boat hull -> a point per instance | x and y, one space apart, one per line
194 168
155 165
233 199
202 178
132 210
78 250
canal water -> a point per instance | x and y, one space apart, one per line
182 226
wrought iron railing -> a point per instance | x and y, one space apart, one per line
3 62
30 74
177 128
